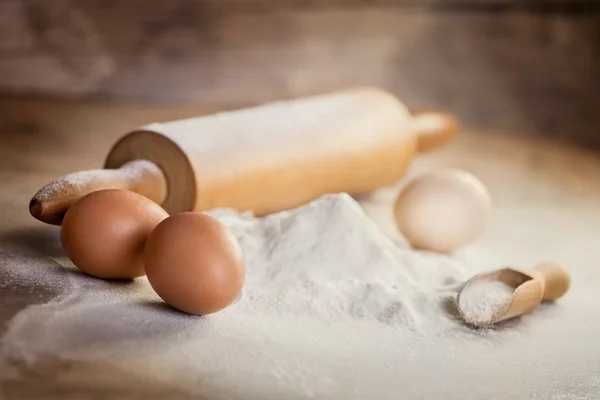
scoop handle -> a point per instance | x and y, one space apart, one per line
434 129
51 202
556 280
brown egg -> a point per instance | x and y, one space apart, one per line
194 263
104 233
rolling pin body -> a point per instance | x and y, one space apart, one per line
279 155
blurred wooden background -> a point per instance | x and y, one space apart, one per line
522 66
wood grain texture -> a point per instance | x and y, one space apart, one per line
523 65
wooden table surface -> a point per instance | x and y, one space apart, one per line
546 195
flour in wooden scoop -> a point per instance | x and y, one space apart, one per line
483 300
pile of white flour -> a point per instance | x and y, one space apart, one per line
328 259
331 308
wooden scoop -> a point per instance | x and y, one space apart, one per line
264 159
546 282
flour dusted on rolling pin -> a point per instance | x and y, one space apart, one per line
280 155
98 178
140 176
265 159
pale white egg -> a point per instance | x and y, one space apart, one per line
443 210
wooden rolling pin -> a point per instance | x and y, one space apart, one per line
264 159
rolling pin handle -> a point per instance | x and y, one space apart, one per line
434 128
35 208
51 202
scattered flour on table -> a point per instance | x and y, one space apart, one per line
482 300
331 308
322 266
326 259
30 273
